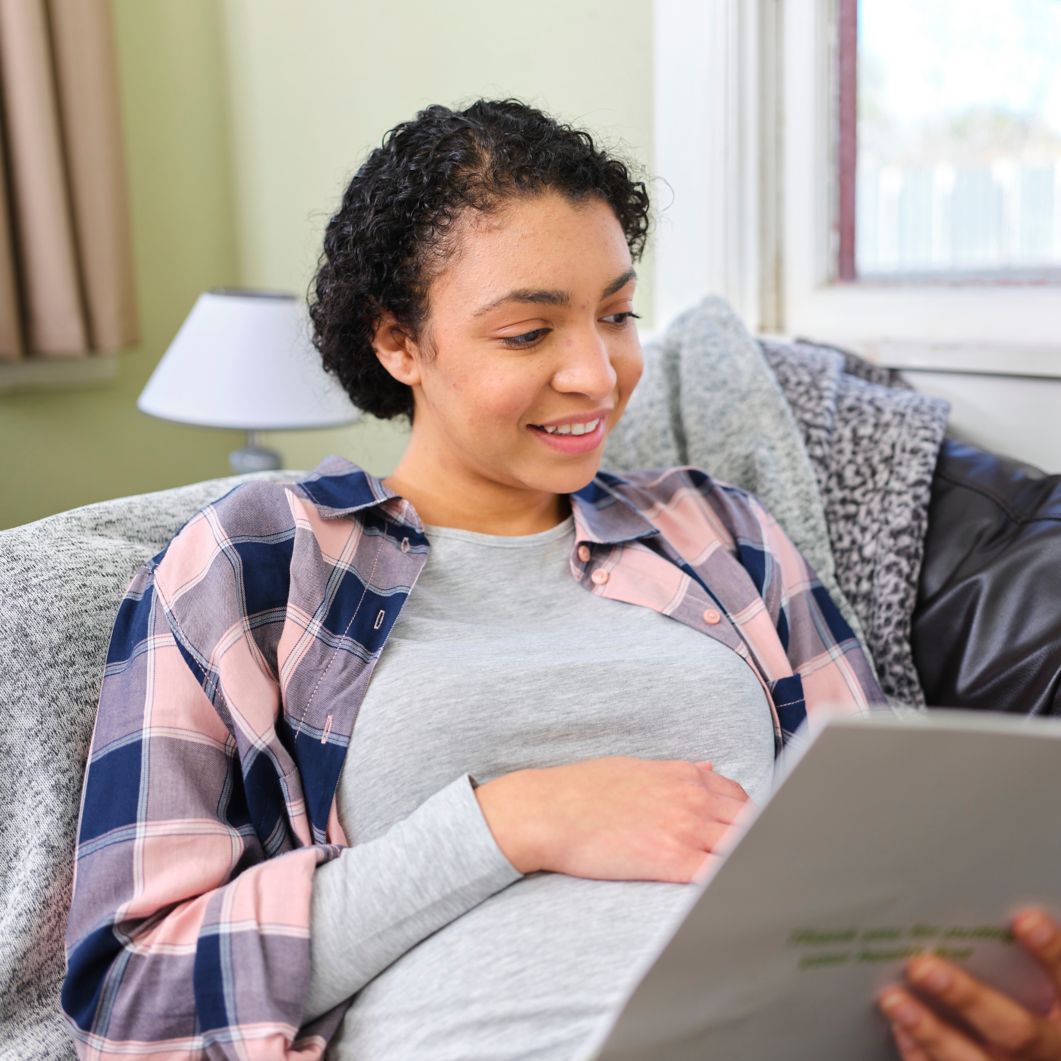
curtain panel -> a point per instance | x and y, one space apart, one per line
66 268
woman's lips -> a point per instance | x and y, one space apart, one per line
571 443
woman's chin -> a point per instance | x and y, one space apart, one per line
571 480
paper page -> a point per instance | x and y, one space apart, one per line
890 835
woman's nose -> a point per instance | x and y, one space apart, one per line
586 368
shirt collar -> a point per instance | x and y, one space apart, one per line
603 515
339 487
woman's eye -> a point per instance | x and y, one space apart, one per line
526 339
531 338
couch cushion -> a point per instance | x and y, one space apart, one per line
987 627
63 578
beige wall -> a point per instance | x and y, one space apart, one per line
244 119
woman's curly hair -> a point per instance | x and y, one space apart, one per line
393 231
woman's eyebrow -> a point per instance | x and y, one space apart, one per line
551 297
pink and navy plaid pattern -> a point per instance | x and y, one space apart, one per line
239 657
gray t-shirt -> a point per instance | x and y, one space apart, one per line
500 661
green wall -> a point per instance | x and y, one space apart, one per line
71 447
244 119
317 84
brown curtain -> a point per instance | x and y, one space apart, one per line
66 270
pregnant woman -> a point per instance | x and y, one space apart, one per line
420 767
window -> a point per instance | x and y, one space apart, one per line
949 140
763 137
985 298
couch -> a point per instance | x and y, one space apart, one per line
986 633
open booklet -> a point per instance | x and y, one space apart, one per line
886 835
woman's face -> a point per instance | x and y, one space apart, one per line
534 352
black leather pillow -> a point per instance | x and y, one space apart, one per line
987 627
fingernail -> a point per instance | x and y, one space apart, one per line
930 974
901 1011
1035 929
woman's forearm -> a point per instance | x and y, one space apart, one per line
381 898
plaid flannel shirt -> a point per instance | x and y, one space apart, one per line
239 657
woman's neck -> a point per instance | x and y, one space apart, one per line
443 509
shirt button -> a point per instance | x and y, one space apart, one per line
599 577
583 553
712 616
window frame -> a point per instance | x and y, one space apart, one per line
710 146
746 135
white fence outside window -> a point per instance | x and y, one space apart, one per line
993 218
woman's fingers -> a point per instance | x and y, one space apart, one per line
729 810
710 834
727 797
707 861
908 1048
926 1037
1041 935
722 785
999 1020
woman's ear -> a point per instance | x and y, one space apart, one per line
396 351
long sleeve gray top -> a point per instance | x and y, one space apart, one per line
449 951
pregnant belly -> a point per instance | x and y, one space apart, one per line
527 974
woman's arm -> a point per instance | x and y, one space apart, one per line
203 918
381 898
189 922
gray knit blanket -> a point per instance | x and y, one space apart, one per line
838 450
873 443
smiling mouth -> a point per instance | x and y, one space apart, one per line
570 429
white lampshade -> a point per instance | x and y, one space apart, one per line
244 359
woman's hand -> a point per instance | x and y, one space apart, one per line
618 818
998 1028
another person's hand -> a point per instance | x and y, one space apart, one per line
618 818
998 1028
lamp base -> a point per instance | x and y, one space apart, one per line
254 459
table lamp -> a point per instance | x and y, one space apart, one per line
244 359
